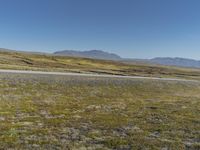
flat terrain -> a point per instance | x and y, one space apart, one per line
89 75
76 112
44 62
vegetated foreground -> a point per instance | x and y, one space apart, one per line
63 112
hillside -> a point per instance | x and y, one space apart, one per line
96 54
48 62
182 62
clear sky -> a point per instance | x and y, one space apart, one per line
130 28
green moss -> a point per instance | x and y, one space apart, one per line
84 111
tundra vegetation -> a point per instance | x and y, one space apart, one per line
47 62
65 112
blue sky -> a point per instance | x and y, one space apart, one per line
130 28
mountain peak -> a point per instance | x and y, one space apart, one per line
97 54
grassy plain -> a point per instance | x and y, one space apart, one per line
64 112
44 62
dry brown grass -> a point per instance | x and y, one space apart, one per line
28 61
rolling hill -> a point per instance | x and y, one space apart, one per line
182 62
49 62
96 54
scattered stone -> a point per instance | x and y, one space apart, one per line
26 123
183 107
77 117
2 118
165 148
155 134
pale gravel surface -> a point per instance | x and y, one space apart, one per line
90 75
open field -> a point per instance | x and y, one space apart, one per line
66 112
41 62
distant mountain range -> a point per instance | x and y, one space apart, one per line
96 54
99 54
182 62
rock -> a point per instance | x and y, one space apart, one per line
36 145
93 107
77 117
2 119
80 148
165 148
155 134
26 123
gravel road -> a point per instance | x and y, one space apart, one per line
90 75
